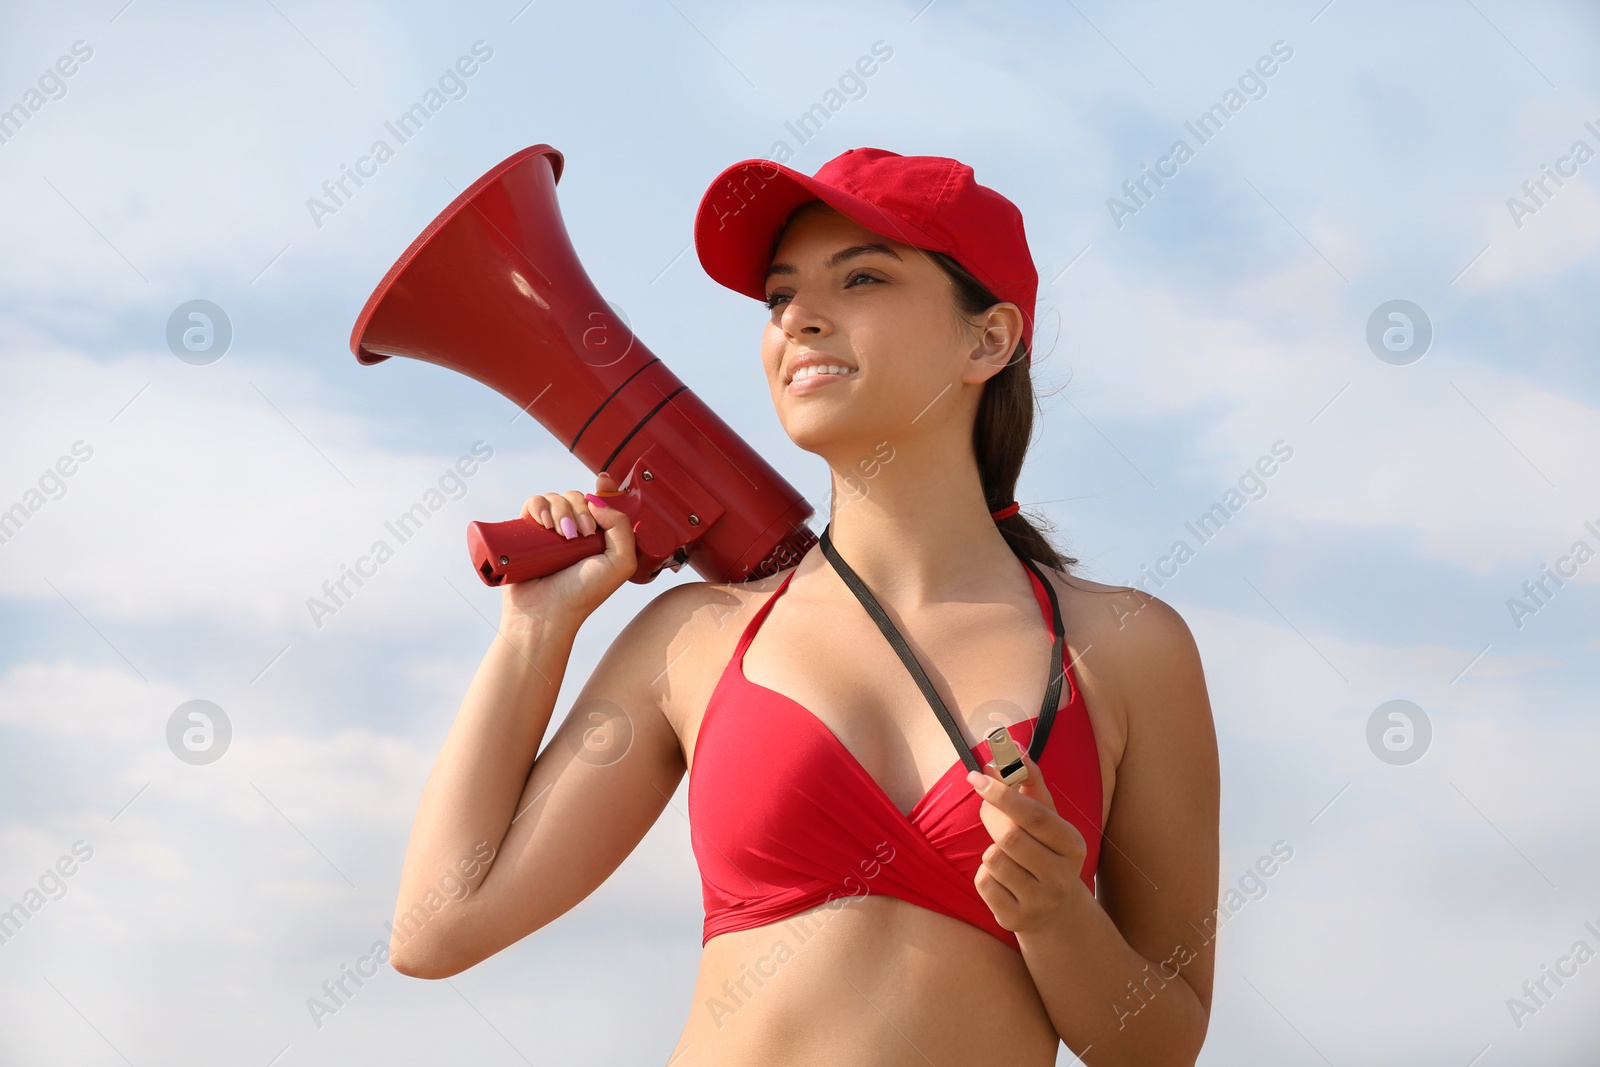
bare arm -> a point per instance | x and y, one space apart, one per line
502 842
1126 978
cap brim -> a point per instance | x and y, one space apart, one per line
737 224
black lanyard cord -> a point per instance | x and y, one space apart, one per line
1052 695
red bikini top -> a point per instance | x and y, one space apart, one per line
783 817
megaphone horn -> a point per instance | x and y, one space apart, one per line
493 289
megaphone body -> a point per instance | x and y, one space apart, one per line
493 289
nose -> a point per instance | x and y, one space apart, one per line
797 318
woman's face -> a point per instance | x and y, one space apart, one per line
881 310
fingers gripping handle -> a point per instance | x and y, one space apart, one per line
505 553
669 509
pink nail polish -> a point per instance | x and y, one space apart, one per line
598 502
569 529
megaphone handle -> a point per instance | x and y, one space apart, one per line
515 551
504 553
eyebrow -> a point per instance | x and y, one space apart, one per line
835 259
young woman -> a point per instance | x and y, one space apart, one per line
875 893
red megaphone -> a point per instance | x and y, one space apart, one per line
493 289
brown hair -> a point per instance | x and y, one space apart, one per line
1003 428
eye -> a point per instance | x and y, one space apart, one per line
849 283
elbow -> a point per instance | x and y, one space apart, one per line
435 954
444 946
425 945
418 958
1199 1024
414 964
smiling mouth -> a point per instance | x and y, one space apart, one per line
820 370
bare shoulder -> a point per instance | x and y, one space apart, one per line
1136 655
687 634
698 612
1127 624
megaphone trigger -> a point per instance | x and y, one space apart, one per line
626 501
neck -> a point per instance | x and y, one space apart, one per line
917 529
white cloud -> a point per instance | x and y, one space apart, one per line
234 490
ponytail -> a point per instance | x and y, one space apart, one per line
1003 430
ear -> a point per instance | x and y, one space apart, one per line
999 331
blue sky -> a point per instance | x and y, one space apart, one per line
1228 313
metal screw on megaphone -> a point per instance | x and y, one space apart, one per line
607 336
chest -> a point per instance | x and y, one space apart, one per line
848 676
838 681
786 815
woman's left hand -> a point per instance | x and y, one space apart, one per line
1032 871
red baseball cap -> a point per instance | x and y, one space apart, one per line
929 202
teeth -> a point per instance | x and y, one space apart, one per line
807 372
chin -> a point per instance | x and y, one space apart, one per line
823 433
808 436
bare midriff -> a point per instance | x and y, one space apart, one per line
867 980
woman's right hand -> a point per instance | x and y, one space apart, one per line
573 593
